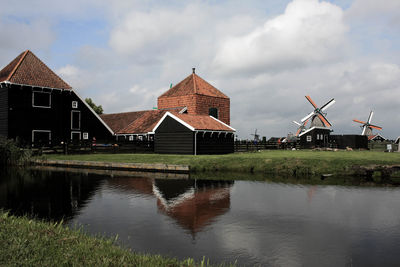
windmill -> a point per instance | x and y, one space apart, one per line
256 136
318 116
302 126
367 126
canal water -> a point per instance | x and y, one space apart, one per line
250 223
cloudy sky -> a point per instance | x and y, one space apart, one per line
266 55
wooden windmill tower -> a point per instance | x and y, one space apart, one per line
318 116
367 126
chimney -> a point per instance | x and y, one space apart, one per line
194 69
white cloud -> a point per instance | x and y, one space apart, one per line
308 32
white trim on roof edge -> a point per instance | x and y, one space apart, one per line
97 116
233 129
315 127
175 118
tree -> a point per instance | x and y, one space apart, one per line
98 109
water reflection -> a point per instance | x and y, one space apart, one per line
265 223
45 194
194 204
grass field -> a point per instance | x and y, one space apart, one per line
282 162
26 242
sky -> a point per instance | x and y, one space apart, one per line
266 55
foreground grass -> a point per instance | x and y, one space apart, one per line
25 242
281 162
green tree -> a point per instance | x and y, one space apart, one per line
98 109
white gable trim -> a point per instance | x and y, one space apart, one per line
97 116
175 118
315 127
224 123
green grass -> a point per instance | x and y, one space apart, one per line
26 242
280 162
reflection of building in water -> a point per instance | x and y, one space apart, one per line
194 204
46 194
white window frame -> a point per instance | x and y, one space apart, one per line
130 138
309 138
85 136
40 131
74 104
33 99
72 112
76 132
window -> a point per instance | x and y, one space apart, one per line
41 137
74 104
85 136
75 120
213 112
131 138
75 136
309 138
41 99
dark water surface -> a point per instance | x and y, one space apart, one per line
265 223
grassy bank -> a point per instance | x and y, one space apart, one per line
25 242
279 162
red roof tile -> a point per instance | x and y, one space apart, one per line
27 69
193 84
119 121
204 122
144 123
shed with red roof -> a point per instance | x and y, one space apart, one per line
192 134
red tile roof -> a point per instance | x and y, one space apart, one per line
144 123
193 84
204 122
27 69
119 121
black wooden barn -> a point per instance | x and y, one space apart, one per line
38 108
192 134
315 137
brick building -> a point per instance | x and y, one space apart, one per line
198 97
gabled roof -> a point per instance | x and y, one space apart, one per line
192 85
27 69
119 121
198 122
315 127
372 137
144 124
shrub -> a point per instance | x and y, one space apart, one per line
12 154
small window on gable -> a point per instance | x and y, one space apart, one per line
213 112
41 99
309 138
74 104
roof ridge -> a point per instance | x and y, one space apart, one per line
194 83
17 65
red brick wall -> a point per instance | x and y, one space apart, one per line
198 104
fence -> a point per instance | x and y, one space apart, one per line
85 147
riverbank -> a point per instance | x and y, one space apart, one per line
273 162
27 242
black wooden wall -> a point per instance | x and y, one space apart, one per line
350 140
23 118
4 112
215 143
172 137
315 142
